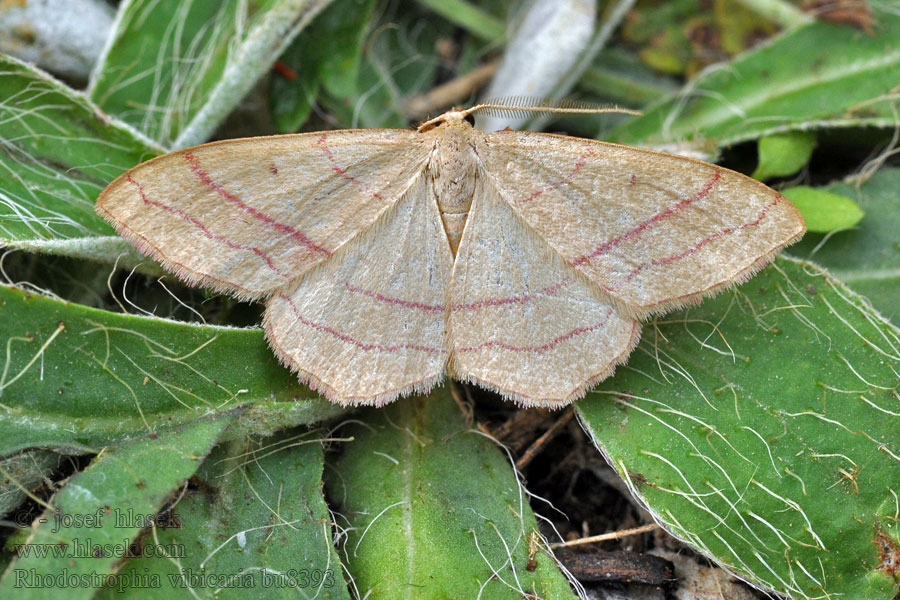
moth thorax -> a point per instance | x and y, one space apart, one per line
453 173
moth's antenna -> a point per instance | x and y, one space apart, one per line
510 106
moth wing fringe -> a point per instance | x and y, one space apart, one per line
524 401
189 276
316 384
695 298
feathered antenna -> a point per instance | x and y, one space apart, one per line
509 107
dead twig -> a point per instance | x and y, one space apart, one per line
539 443
448 94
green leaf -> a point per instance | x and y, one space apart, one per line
620 77
783 154
648 22
103 508
399 62
867 257
58 152
255 516
343 51
813 76
292 101
175 69
470 17
435 510
763 427
669 53
328 53
78 378
824 211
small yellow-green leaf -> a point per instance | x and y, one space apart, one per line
783 154
668 52
823 210
867 256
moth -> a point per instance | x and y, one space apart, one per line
388 259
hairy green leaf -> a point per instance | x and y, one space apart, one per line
71 550
252 524
763 427
435 510
57 152
815 75
78 378
175 69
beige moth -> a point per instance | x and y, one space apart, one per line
388 259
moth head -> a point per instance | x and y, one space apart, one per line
451 117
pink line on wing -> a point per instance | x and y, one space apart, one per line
578 164
521 299
392 300
341 171
255 213
719 234
351 340
646 224
199 225
537 349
